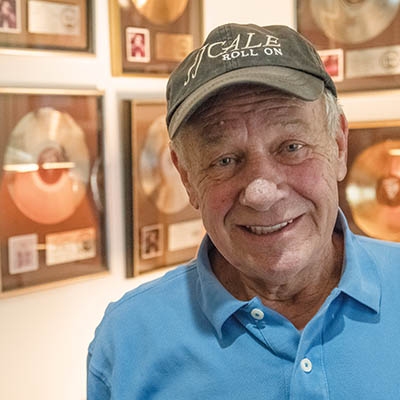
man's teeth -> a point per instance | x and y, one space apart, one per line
263 230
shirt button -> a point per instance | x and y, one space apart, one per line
306 365
256 313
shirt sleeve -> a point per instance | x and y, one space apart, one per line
97 389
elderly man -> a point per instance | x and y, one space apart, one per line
283 301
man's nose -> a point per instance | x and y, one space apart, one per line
261 194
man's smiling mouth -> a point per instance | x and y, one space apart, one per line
265 230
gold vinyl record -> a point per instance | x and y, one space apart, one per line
353 21
373 190
161 12
158 176
47 166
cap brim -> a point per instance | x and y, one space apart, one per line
297 83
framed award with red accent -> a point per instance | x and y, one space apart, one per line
166 230
370 194
62 25
52 226
151 37
359 41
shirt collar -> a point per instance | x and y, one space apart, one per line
360 279
216 302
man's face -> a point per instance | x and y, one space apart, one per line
263 170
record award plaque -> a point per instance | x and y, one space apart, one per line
166 229
51 187
46 24
370 194
358 40
153 36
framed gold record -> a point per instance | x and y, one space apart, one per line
359 40
52 226
151 37
57 25
370 194
166 230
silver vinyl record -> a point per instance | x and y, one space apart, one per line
161 11
158 176
47 165
353 21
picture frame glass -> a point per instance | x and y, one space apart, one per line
52 220
359 41
166 229
151 37
370 194
57 25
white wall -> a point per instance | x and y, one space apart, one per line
44 335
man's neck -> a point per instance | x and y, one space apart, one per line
296 299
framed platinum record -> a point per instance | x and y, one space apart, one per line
358 40
52 226
370 194
165 229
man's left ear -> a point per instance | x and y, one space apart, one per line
342 141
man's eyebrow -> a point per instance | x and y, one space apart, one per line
212 134
290 124
294 122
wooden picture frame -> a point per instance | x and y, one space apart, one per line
359 41
165 229
58 25
52 219
370 194
153 37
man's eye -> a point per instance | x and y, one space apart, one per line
292 147
225 161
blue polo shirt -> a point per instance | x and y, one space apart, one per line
184 337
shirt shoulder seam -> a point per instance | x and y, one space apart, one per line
152 285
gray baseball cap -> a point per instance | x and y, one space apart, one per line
275 56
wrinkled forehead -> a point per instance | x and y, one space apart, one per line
244 94
241 99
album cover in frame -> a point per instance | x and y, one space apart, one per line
165 230
57 25
52 219
359 41
370 194
152 37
